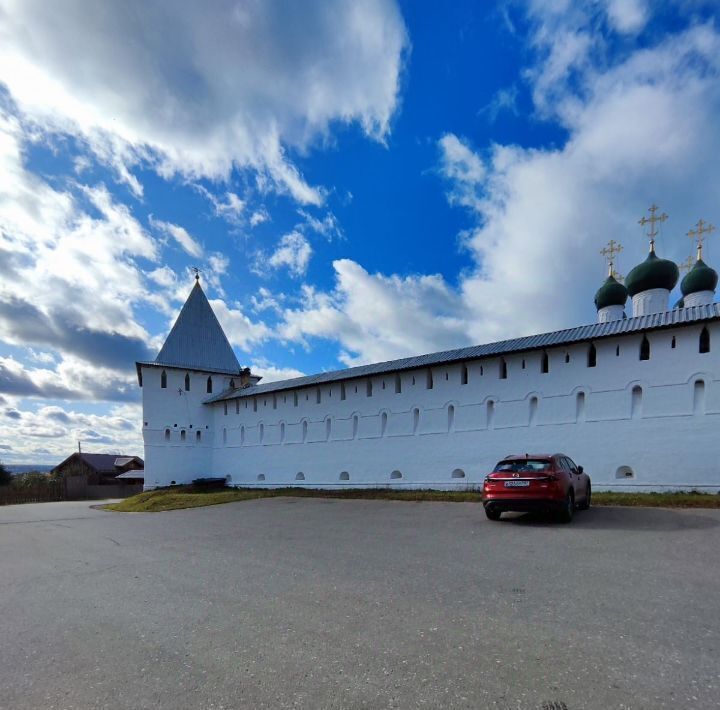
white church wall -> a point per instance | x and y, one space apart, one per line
664 432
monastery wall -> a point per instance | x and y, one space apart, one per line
649 424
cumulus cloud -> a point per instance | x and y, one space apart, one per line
233 87
179 234
377 317
292 252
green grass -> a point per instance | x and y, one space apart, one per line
186 497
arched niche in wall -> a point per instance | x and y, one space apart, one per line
163 379
304 430
704 342
415 419
624 472
167 434
451 418
636 402
344 476
282 432
198 436
355 426
383 423
261 477
328 428
699 396
457 473
209 385
490 413
187 382
532 410
300 476
224 435
580 400
261 432
395 475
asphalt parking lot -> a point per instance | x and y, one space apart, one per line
314 603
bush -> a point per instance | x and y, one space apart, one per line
31 479
205 484
5 476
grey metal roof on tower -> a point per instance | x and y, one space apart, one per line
197 341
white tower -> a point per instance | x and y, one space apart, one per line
195 362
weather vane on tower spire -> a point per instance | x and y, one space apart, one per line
196 271
652 220
701 228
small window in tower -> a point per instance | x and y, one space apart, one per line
447 377
416 420
429 380
282 432
167 434
523 363
209 385
198 436
592 356
261 432
398 384
187 382
545 363
225 408
163 380
617 351
383 423
342 390
369 388
413 380
355 425
318 396
645 348
383 384
503 369
182 435
464 375
451 418
242 435
704 340
295 399
274 401
482 371
672 343
328 428
567 358
304 430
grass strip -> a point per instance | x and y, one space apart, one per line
186 497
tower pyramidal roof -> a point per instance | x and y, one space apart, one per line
197 341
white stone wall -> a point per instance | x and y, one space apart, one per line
451 435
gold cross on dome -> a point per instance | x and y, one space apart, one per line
612 249
687 264
701 228
652 220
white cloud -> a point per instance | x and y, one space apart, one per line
376 317
258 217
231 85
179 234
327 226
229 206
240 330
627 16
292 252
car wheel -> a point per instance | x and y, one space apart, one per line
566 515
588 497
492 513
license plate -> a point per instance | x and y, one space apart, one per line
517 484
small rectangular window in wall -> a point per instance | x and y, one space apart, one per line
342 390
369 388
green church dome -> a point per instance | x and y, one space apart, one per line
611 293
652 273
700 278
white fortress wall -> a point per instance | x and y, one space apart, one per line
655 418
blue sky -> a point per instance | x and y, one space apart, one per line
355 181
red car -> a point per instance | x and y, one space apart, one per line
536 482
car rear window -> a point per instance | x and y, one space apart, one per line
517 466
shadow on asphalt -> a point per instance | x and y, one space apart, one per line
620 518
